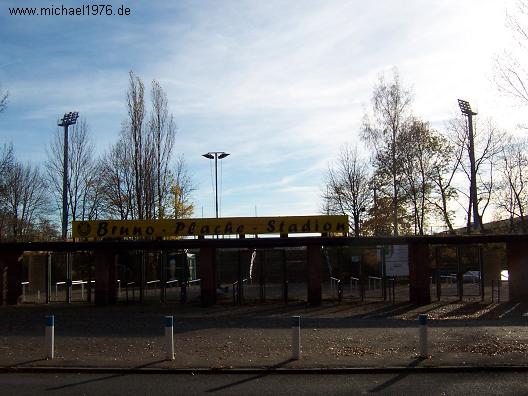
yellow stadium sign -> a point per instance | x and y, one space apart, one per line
200 227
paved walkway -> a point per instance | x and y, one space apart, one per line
369 335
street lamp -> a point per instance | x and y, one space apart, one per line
216 155
465 108
67 120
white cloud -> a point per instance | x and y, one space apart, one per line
279 84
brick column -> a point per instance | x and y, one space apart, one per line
105 277
11 276
207 273
493 256
419 273
314 274
517 257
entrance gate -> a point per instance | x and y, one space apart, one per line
459 272
262 274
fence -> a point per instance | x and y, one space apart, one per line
137 271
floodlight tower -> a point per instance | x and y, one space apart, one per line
67 120
465 108
216 155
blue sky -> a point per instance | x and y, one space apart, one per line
278 84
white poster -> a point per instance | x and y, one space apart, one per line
396 260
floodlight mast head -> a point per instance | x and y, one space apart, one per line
465 107
69 119
216 155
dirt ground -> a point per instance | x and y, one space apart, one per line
374 334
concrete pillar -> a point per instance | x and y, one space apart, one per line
207 273
493 255
419 273
105 277
517 256
314 274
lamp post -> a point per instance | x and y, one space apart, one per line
216 155
67 120
465 108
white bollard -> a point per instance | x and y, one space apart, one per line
50 337
422 319
169 338
296 337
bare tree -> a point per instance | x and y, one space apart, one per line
512 192
445 167
347 188
83 187
3 99
422 150
151 145
117 182
136 172
162 129
488 142
511 75
6 164
382 131
135 129
25 200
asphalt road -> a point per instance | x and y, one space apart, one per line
485 383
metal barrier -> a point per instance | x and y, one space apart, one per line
392 289
452 278
496 285
333 282
77 282
24 284
336 282
355 282
171 281
374 282
133 284
186 287
154 282
237 299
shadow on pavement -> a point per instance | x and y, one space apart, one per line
20 364
105 378
399 377
147 320
255 377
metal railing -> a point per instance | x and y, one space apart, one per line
496 286
237 299
336 282
77 282
391 284
374 282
